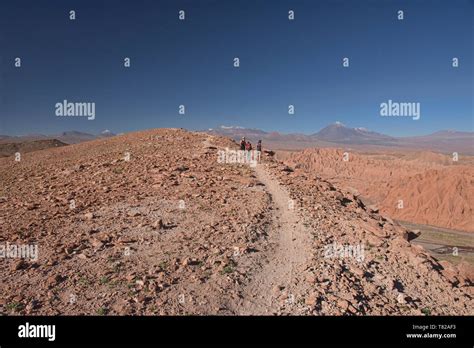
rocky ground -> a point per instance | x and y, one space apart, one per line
150 223
394 277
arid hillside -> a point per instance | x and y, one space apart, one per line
8 149
421 187
152 223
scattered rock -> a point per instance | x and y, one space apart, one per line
158 224
89 216
53 280
311 299
18 265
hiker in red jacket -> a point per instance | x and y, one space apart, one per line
248 150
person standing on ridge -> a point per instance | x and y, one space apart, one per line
248 146
242 144
248 150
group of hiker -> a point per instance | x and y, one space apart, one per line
246 145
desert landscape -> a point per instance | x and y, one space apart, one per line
432 181
420 189
244 172
151 223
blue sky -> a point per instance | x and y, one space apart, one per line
191 62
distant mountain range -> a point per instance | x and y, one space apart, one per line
68 137
334 135
337 134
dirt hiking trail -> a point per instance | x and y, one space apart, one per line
276 288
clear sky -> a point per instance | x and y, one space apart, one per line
190 62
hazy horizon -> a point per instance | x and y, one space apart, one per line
230 127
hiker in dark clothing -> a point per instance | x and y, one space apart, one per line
242 144
259 146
